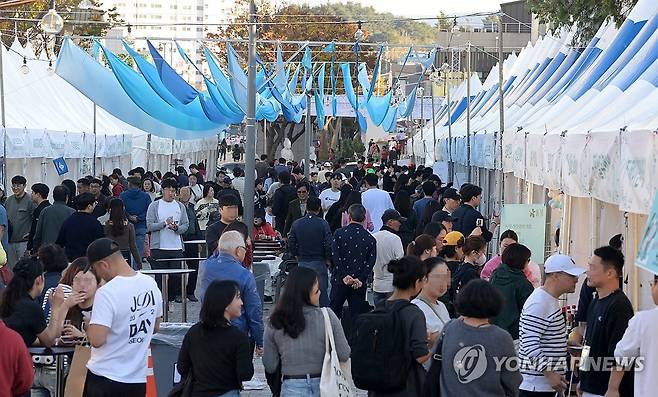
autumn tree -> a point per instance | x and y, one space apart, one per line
300 24
585 15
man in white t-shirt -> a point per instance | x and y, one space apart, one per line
331 195
543 330
375 200
127 312
167 221
389 247
640 340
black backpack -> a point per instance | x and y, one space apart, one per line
380 351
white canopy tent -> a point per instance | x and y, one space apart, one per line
47 118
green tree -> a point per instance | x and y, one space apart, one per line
586 15
94 22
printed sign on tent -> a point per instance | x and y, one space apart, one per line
60 166
529 223
647 256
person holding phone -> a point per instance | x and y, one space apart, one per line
167 221
467 218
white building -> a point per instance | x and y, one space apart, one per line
167 19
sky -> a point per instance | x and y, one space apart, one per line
420 8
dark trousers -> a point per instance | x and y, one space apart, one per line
356 299
525 393
174 280
99 386
192 251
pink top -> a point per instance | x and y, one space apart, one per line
531 271
367 223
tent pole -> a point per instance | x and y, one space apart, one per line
250 162
307 138
148 150
2 115
501 109
93 164
468 110
433 123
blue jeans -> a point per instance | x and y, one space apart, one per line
232 393
140 235
320 268
309 387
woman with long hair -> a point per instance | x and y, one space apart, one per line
215 353
86 284
20 310
408 280
148 186
333 216
207 207
122 232
355 198
295 335
423 247
428 300
403 205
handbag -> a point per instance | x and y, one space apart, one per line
75 382
432 385
336 377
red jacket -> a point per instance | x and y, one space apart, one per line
266 229
117 190
16 374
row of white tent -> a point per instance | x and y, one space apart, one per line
580 120
47 118
583 122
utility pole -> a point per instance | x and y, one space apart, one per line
468 110
250 152
307 138
501 108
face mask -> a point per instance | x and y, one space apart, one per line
481 260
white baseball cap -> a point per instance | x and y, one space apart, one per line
327 164
562 263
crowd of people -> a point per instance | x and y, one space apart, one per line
389 261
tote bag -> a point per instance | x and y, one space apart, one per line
336 377
75 383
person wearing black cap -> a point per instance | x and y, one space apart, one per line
443 218
127 312
451 200
389 247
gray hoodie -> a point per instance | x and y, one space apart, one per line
154 224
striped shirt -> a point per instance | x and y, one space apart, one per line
543 340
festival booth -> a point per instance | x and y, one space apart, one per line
580 138
47 119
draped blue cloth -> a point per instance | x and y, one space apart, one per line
306 59
391 120
408 105
220 91
319 98
171 80
238 80
347 83
101 86
379 106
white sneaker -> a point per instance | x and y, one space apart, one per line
254 384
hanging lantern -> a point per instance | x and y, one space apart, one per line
52 22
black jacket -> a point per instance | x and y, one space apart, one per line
35 220
310 239
464 219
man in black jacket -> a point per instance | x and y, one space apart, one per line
310 241
465 218
281 201
228 212
298 207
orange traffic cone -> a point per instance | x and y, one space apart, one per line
151 391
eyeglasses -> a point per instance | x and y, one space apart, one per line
302 192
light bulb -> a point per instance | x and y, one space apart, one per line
86 5
24 68
52 22
358 35
50 69
130 39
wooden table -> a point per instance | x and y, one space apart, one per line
164 273
58 352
